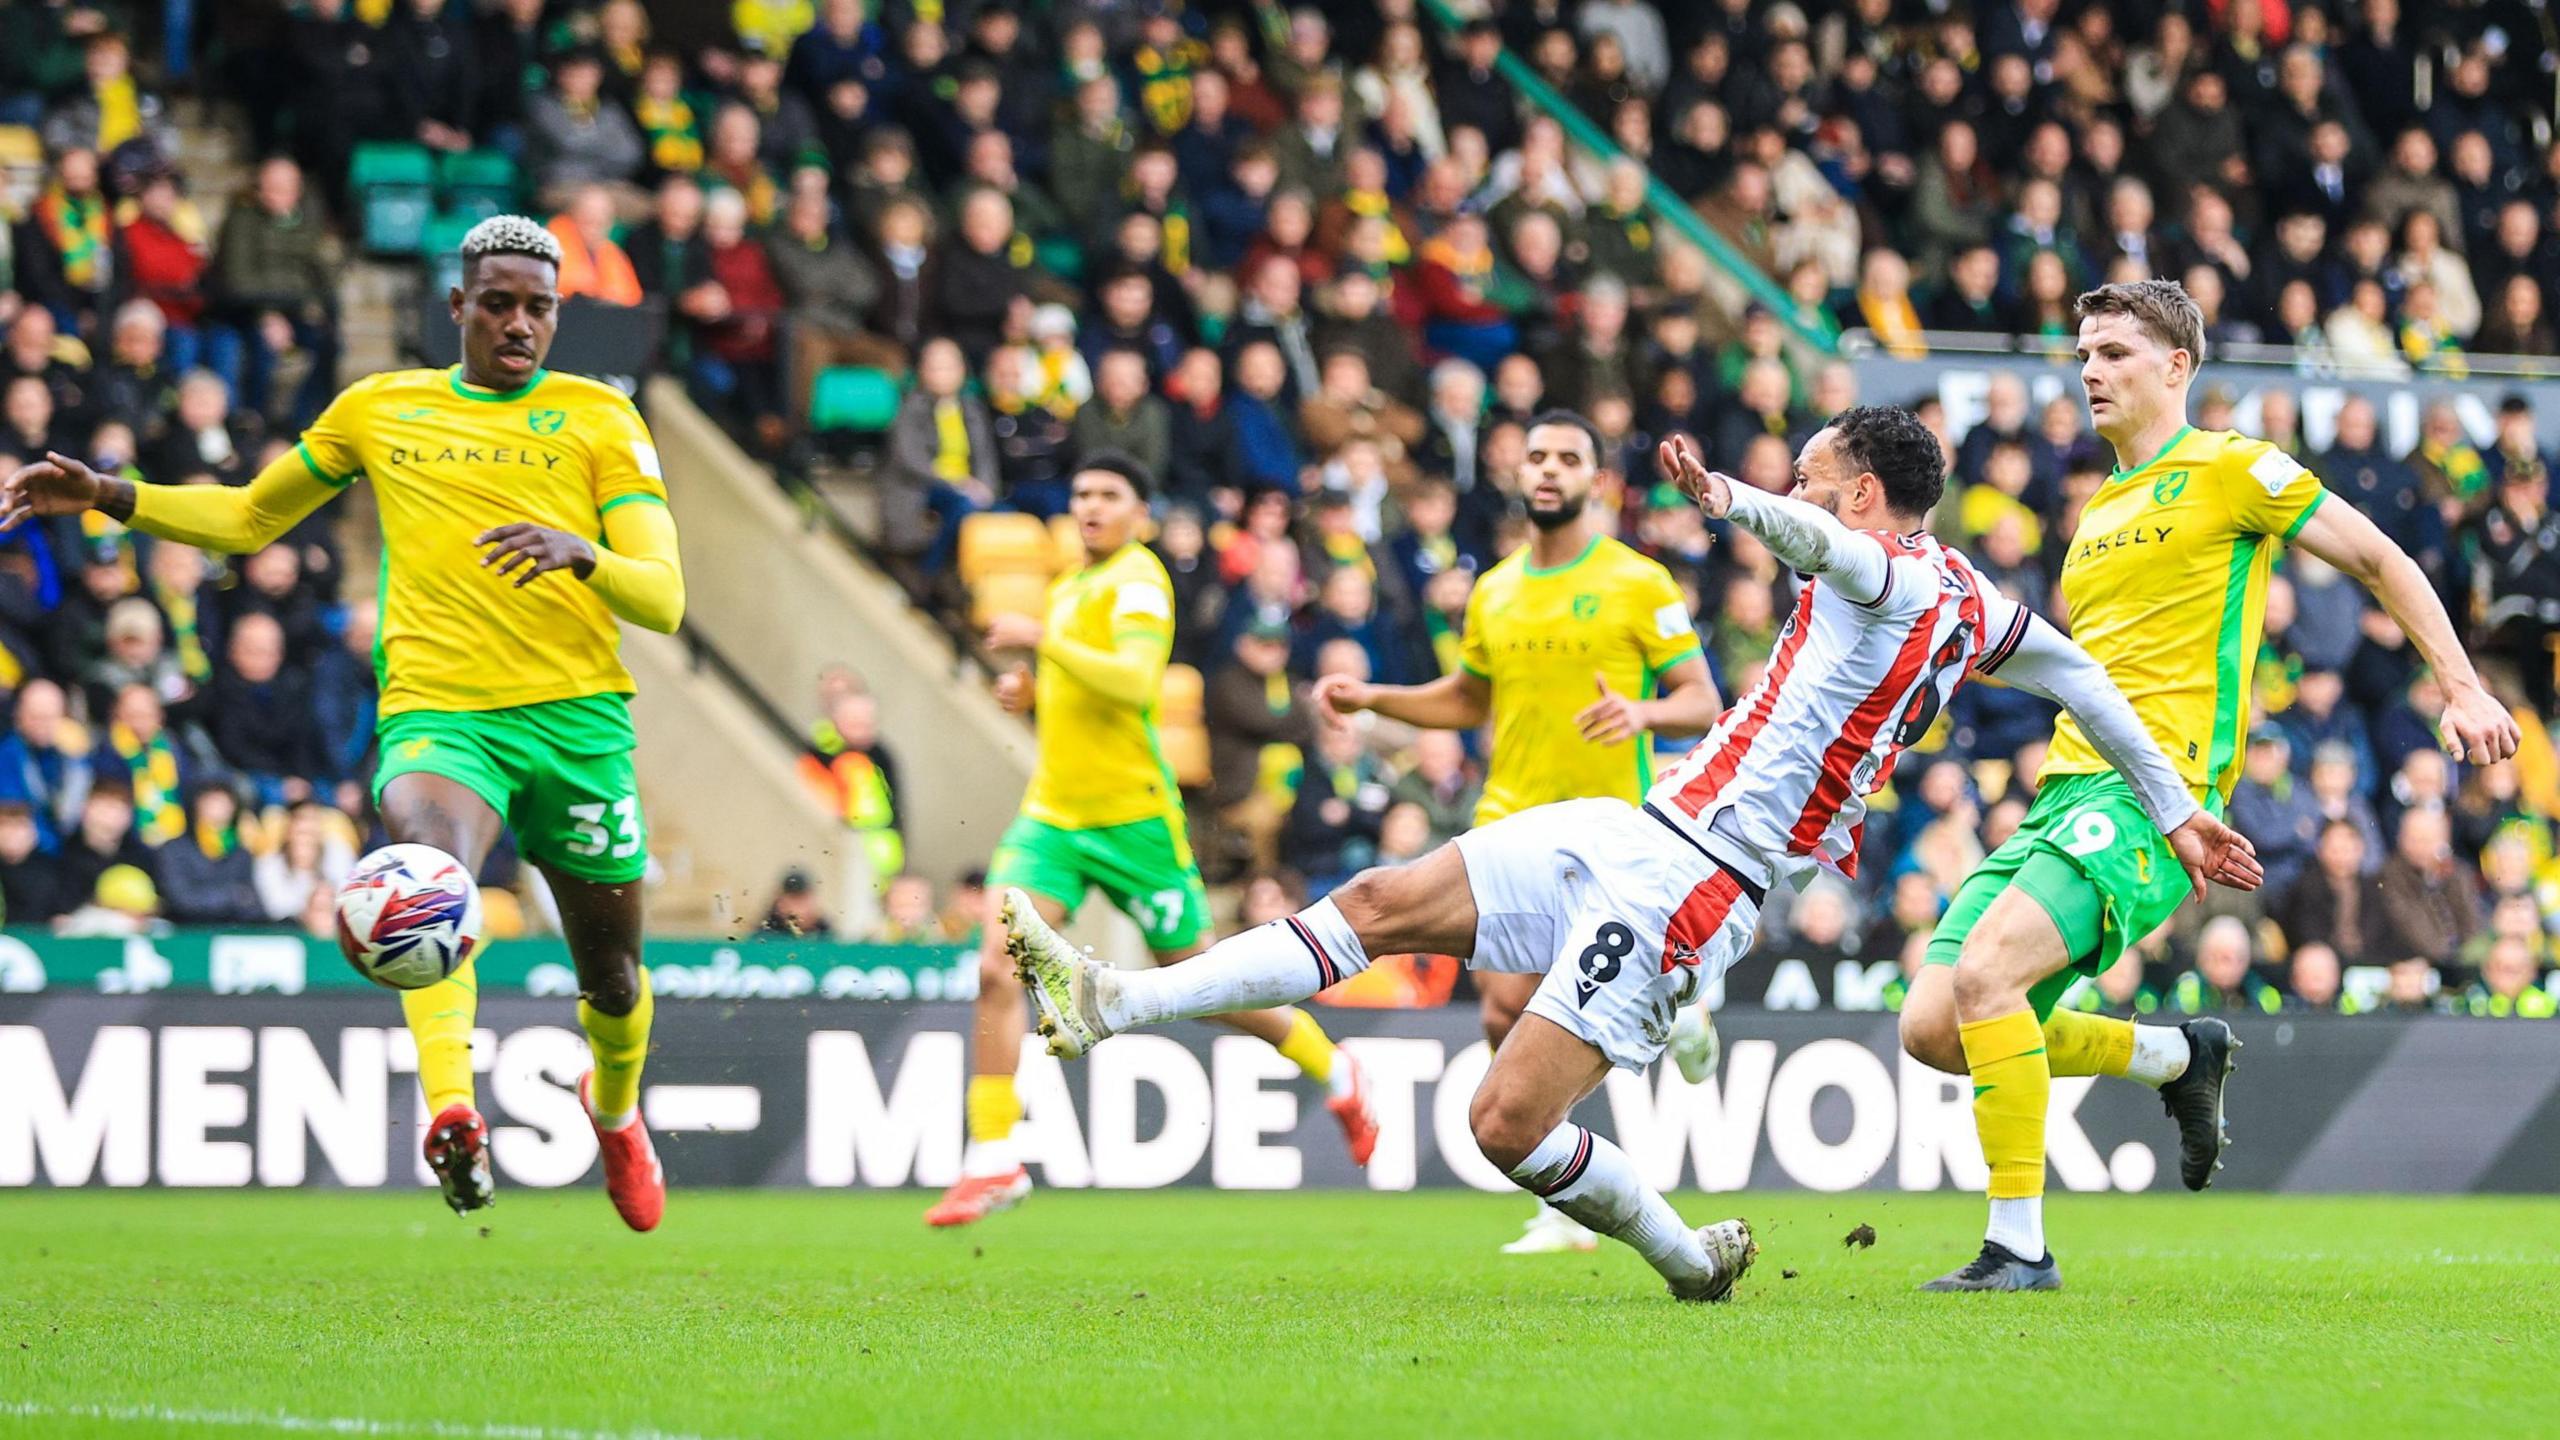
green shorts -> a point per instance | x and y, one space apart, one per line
560 774
1144 868
2093 860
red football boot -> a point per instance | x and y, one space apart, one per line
975 1197
1351 1107
631 1173
458 1151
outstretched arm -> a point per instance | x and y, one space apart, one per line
232 519
2476 726
1460 700
1804 537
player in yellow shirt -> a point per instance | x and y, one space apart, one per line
2166 583
1579 650
523 513
1102 812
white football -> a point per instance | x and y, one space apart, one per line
408 916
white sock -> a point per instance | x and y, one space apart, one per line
2160 1055
986 1158
2018 1224
1593 1182
1276 964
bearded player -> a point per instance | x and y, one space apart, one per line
1580 650
1102 813
2166 583
523 513
1628 913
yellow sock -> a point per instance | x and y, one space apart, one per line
440 1018
993 1108
2081 1044
2011 1089
620 1044
1309 1048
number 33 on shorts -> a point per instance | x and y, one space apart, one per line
587 833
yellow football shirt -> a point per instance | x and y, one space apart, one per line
2167 587
1099 763
1539 637
449 461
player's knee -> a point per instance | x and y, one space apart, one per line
1507 1128
613 991
1929 1037
1992 973
1366 900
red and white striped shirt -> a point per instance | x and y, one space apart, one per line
1781 783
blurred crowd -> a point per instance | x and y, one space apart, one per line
1315 266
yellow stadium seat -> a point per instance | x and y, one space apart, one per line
997 541
1066 543
1186 749
1008 592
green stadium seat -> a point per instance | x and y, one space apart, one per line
391 163
394 187
854 397
478 182
395 220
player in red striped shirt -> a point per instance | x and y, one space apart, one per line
1629 912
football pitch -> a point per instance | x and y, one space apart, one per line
1197 1313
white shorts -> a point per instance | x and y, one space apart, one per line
1625 917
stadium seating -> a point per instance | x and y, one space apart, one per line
394 190
1068 543
858 398
1002 542
479 183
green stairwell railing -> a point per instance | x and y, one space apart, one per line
1660 198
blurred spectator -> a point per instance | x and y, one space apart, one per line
735 305
2332 901
2223 978
31 879
2312 978
1259 728
796 910
124 902
907 915
2429 904
2275 808
104 838
2507 985
44 762
852 770
311 856
261 718
1342 801
206 877
576 136
942 457
275 283
591 263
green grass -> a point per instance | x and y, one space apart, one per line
1244 1315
